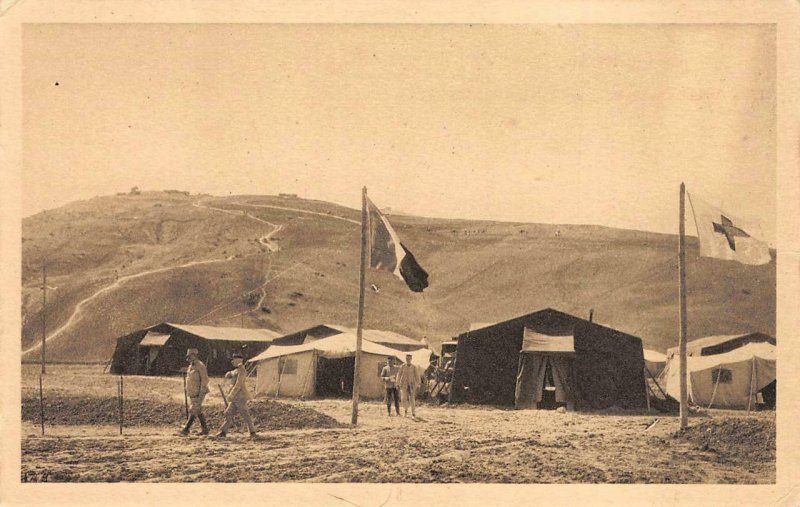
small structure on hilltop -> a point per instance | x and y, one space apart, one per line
325 366
548 359
389 339
726 371
161 349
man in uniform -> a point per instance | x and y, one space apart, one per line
238 396
408 383
389 375
196 390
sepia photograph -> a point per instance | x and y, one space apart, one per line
492 253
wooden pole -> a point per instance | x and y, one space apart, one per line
44 313
360 321
41 404
684 401
121 404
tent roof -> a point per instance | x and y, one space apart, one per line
372 335
337 346
765 351
379 336
708 341
539 342
234 334
474 326
154 339
654 356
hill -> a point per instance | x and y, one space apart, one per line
119 263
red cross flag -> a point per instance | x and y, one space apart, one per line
725 236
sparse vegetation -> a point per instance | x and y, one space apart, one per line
495 274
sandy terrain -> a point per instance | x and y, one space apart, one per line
459 444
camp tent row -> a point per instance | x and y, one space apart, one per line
726 371
161 349
325 367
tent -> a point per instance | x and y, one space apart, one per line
654 362
713 345
161 349
718 344
325 367
549 358
728 380
386 338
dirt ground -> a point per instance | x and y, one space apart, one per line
312 441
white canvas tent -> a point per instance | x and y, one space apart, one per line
729 380
305 370
654 362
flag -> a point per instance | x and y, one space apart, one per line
389 254
724 236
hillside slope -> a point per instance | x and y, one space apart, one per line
118 263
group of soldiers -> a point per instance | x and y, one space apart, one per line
236 399
401 382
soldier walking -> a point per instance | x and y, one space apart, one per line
196 389
238 396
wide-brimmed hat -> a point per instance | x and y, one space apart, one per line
192 352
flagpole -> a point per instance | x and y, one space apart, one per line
44 314
684 408
360 321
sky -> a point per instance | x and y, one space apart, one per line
591 124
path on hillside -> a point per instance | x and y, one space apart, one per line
76 314
265 240
300 210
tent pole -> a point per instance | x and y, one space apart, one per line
684 409
360 322
716 384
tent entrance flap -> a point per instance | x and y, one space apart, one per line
544 381
538 342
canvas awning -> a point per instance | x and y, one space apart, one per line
652 356
539 342
152 339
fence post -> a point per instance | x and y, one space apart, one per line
121 398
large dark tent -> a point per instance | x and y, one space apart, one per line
547 359
161 349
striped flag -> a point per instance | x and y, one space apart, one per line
387 253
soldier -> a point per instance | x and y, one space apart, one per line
408 383
389 375
238 396
196 389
